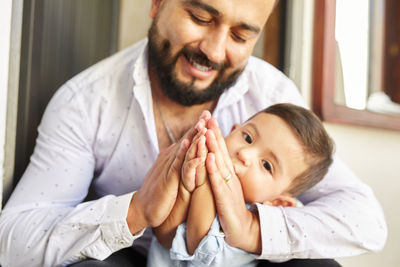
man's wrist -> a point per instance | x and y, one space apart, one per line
135 219
252 243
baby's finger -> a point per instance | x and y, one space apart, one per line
217 183
189 173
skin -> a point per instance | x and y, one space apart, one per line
227 36
225 31
264 165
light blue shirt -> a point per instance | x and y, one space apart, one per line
212 251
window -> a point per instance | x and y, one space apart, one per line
379 80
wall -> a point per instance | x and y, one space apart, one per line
374 155
134 21
5 28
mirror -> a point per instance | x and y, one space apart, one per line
356 62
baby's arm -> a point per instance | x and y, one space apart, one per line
166 231
202 207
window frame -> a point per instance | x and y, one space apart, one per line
324 76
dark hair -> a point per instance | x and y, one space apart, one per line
316 142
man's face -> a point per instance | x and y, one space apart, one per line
197 48
266 157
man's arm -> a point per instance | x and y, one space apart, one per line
45 222
339 218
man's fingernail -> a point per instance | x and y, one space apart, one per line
212 133
203 114
216 122
183 144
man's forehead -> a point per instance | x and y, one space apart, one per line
248 10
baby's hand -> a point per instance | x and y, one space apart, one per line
193 169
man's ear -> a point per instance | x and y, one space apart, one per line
282 200
155 7
234 127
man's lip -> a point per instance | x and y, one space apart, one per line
190 70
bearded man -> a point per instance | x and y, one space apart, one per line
121 128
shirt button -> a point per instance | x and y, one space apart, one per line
121 242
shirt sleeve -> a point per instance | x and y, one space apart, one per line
341 217
209 247
45 222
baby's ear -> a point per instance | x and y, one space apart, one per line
234 127
282 200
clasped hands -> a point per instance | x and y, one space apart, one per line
182 167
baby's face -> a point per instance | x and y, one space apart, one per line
266 156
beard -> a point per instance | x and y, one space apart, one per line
163 63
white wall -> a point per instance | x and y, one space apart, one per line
5 30
134 21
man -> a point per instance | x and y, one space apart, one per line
109 131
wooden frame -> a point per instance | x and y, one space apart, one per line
391 77
274 36
324 76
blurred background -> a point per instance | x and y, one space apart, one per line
344 56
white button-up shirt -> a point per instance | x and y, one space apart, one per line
98 135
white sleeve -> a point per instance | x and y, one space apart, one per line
45 222
341 217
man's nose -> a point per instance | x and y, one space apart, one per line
214 44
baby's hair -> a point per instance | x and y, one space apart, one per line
317 144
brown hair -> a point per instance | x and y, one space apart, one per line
316 142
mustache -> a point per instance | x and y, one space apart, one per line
200 58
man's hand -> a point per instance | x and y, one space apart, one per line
236 220
153 202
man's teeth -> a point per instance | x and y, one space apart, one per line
200 67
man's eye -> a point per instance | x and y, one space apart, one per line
247 138
238 39
267 165
199 20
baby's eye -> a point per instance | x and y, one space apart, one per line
267 165
247 138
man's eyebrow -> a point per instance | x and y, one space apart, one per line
204 6
215 12
249 27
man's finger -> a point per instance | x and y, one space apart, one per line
222 164
213 125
